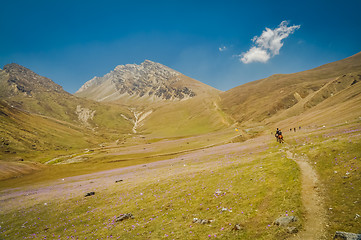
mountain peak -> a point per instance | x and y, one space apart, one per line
14 68
26 81
148 80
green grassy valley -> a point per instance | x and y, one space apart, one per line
184 160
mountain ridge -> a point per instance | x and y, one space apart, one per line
282 98
22 79
148 80
249 103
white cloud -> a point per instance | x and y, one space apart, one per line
255 54
223 48
268 44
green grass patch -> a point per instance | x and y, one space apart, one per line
256 190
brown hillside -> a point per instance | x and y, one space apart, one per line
285 95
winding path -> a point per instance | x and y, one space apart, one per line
315 215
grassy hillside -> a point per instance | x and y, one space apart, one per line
249 103
33 101
342 107
29 138
171 162
252 187
193 116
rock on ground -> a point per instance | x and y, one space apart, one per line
201 221
285 221
347 236
89 194
124 216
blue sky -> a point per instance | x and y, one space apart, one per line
72 41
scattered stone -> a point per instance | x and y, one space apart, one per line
89 194
284 221
120 180
124 216
347 236
202 221
225 209
237 227
292 230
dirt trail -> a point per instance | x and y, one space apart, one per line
315 217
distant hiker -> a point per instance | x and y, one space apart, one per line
299 128
290 129
278 135
294 129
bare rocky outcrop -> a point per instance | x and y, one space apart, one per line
84 114
148 80
24 81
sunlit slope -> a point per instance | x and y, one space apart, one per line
339 107
285 95
24 134
163 101
27 91
193 116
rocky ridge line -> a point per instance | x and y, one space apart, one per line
148 79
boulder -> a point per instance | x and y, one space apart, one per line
292 230
202 221
347 236
237 227
89 194
285 221
124 216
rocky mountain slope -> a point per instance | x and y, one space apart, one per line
154 100
146 82
38 115
27 91
24 81
28 98
163 101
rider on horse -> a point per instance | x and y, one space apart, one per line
278 135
